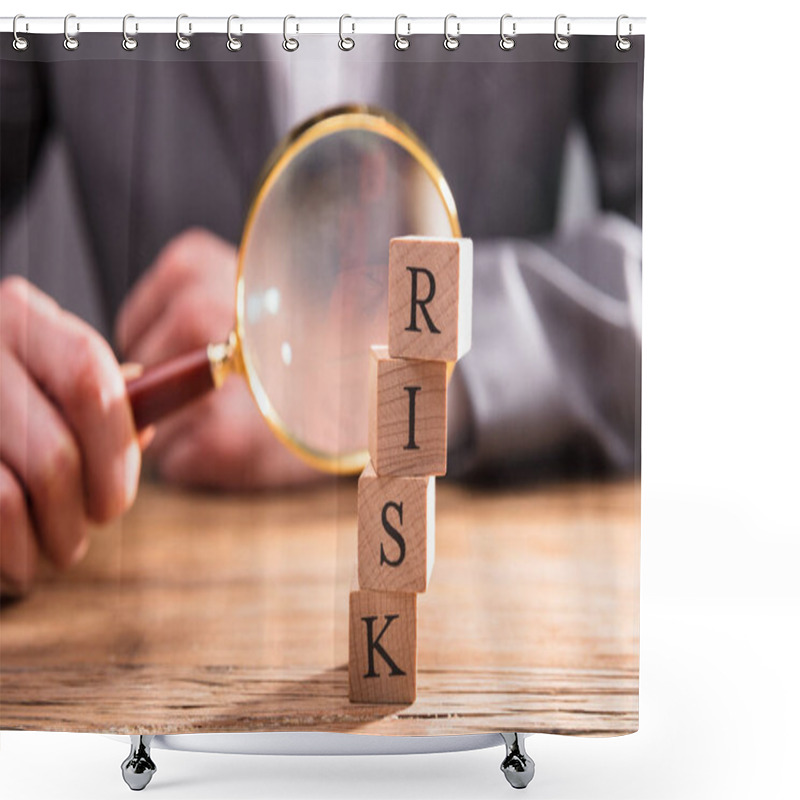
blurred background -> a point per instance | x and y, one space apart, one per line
52 205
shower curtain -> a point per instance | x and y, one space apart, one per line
212 589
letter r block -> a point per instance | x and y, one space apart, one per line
396 532
407 415
383 647
430 298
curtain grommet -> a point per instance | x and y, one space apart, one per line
623 44
401 43
234 43
70 42
346 43
20 43
181 41
129 42
289 44
561 43
507 41
451 42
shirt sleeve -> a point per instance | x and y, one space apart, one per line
556 357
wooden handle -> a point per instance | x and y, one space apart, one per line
165 388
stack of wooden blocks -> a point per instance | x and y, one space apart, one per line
430 323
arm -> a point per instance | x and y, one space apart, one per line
554 368
554 374
69 454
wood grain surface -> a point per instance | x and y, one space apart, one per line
202 612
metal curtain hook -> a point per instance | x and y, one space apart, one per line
401 42
561 43
623 44
290 44
70 42
129 42
20 42
507 42
234 44
345 42
181 42
451 42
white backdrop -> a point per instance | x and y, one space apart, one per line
721 536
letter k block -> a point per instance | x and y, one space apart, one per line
383 647
430 298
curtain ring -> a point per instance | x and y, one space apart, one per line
181 42
70 42
20 43
129 42
561 43
401 42
507 42
623 44
234 44
451 42
345 42
289 44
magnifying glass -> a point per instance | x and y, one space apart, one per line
311 290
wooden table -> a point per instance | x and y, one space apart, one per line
202 612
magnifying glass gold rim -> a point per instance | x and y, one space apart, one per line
233 355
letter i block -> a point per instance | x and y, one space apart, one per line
396 532
383 647
407 415
430 298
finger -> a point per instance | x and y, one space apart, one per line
18 551
207 431
39 447
131 370
182 465
211 417
79 373
152 293
192 320
206 461
223 442
208 456
146 436
183 261
174 427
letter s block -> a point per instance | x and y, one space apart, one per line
396 533
383 647
430 298
407 415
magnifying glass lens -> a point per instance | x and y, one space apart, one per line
312 294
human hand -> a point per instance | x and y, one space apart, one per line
69 452
184 301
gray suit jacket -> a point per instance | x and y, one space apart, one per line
160 141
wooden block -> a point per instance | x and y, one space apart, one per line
396 532
383 647
430 298
407 415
